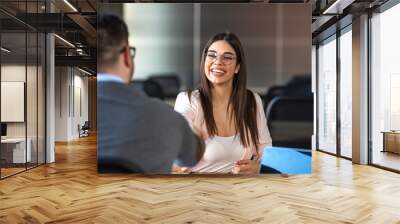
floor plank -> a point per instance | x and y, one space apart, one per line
71 191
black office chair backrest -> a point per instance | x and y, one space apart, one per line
298 86
153 89
290 109
273 92
170 84
298 89
86 125
290 121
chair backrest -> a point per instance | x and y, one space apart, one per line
86 125
273 92
153 89
290 108
170 84
298 86
290 121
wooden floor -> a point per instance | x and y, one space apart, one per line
5 172
10 171
71 191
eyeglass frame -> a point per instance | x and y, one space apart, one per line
131 49
219 55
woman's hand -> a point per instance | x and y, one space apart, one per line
246 166
180 169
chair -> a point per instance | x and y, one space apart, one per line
169 83
273 92
84 130
298 86
290 121
153 89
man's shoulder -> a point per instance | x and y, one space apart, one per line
134 100
109 88
161 108
122 91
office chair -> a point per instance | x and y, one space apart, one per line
153 89
84 130
298 86
169 83
273 92
290 121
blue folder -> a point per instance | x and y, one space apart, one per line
286 160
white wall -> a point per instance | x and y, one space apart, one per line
62 81
16 73
71 94
13 72
81 104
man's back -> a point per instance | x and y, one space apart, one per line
139 134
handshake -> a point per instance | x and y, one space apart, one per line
243 166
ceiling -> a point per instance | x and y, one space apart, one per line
72 20
332 15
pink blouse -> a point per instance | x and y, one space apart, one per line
193 113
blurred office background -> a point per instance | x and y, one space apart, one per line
169 39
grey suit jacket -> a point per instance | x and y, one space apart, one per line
140 134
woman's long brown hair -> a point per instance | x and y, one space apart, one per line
242 101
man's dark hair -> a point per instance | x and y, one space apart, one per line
112 36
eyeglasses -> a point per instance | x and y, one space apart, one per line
227 58
131 49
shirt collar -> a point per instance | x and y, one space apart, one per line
107 77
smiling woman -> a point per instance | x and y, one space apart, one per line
229 117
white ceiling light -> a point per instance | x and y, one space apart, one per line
337 7
70 5
79 51
65 41
86 72
5 50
